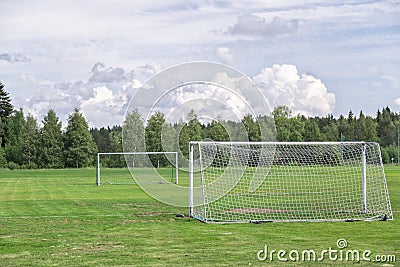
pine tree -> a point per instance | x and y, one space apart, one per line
29 143
153 135
79 146
343 129
331 132
190 131
386 128
169 138
133 132
51 155
116 139
351 121
252 128
267 124
6 109
311 131
15 128
371 126
282 123
216 131
102 138
3 161
361 128
296 128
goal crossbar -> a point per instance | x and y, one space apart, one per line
274 143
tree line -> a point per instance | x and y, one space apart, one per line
23 144
26 145
283 127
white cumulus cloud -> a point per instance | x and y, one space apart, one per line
102 98
210 102
393 81
105 107
105 103
256 26
14 57
225 54
103 74
302 93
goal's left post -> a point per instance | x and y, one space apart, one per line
98 169
111 168
191 184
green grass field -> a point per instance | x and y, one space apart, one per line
61 218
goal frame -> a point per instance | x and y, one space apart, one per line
98 174
363 169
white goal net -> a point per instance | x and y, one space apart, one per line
131 167
287 181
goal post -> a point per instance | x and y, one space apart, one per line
116 167
287 181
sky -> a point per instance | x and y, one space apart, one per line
317 57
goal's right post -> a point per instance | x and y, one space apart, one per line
287 181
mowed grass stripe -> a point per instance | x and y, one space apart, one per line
61 193
147 233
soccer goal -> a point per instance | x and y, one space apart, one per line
129 167
287 181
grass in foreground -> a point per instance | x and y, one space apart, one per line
60 218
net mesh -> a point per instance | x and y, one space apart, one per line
289 182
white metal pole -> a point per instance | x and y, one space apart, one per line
364 179
191 179
202 184
275 143
176 168
398 144
98 169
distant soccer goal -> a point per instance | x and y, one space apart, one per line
287 181
122 167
